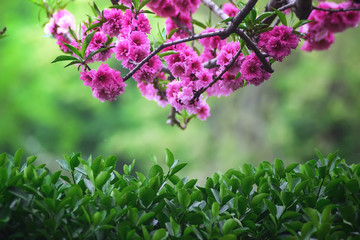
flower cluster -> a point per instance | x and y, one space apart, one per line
278 42
320 31
183 77
105 83
59 25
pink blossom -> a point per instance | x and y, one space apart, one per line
165 8
320 44
226 55
187 6
229 81
122 49
113 25
137 54
60 23
212 42
106 83
202 110
184 19
230 9
141 23
251 70
149 70
139 39
278 42
149 92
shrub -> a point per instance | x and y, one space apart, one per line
89 199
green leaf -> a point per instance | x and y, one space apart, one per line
291 167
300 23
95 25
120 6
91 54
215 208
258 198
279 167
110 162
146 196
313 215
183 198
145 217
229 225
145 232
228 237
169 158
74 50
167 53
143 3
64 58
74 161
306 231
160 234
263 16
171 33
101 179
86 42
281 16
156 170
270 206
63 164
177 168
17 157
72 63
198 23
353 186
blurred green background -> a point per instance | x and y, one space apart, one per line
311 101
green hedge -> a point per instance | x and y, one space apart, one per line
89 199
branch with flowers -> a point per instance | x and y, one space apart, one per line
184 66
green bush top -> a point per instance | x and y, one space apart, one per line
89 199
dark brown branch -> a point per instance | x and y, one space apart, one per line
173 121
169 44
303 8
253 46
198 93
115 2
336 10
210 64
231 28
182 26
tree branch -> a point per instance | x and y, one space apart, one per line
198 93
253 46
210 4
231 28
115 2
336 10
169 44
182 26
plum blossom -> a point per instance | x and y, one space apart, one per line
105 83
251 70
278 42
230 9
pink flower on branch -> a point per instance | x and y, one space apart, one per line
105 83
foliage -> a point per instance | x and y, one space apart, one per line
89 199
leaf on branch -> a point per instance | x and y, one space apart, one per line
121 7
167 53
91 54
64 58
143 3
300 23
263 16
95 25
74 50
72 63
198 23
147 11
281 16
86 42
171 33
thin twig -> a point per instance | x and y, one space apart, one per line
115 2
181 25
198 93
169 44
253 46
336 10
